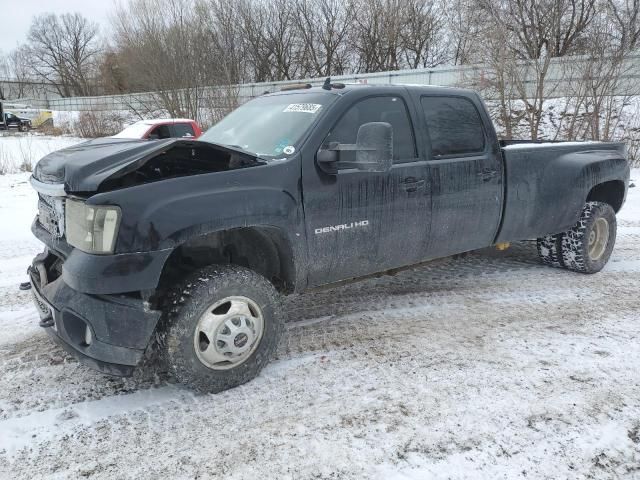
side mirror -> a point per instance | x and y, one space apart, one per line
374 147
153 136
374 150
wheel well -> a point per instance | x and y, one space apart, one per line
264 250
608 192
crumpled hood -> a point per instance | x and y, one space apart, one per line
84 166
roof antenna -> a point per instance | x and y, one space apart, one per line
327 84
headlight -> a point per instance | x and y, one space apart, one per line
91 228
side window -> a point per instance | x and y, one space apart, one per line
161 131
455 127
392 110
183 130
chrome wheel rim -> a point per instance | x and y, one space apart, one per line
598 238
228 333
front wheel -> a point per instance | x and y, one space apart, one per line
223 325
586 248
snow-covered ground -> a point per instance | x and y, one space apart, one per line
20 150
490 366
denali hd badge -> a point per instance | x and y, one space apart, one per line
344 226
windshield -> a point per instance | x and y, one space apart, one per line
137 130
270 126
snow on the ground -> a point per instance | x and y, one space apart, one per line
62 118
17 150
491 367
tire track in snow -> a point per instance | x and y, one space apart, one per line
19 432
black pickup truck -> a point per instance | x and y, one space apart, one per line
184 247
10 120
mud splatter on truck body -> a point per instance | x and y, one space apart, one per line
268 189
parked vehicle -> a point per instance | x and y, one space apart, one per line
186 246
39 117
10 120
161 128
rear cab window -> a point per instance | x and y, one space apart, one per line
454 126
183 130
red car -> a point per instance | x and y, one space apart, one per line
161 128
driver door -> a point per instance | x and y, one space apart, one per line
358 223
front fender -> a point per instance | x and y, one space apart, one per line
162 215
171 221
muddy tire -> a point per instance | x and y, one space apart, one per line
550 250
586 248
222 326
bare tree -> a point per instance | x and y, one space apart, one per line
376 35
20 72
179 48
466 30
64 50
599 90
281 39
498 80
542 27
112 76
16 79
421 34
227 56
626 15
161 44
4 75
394 34
534 33
272 39
323 26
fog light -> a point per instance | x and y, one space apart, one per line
88 337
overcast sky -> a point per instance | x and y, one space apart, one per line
15 16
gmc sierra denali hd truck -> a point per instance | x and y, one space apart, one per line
184 246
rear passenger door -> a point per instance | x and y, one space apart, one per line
465 172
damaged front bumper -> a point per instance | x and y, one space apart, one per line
106 332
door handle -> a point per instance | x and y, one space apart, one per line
487 174
412 184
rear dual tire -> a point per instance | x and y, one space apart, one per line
550 250
587 246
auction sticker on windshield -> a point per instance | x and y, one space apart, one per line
303 107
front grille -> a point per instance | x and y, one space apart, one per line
51 214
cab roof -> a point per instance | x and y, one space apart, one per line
345 88
159 121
